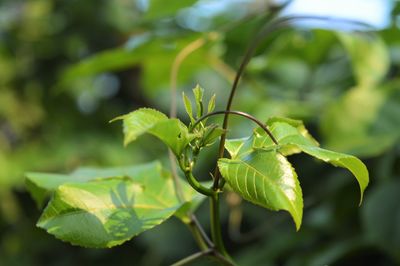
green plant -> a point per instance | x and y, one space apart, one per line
101 208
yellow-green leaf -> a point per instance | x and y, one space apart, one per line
96 210
145 120
267 179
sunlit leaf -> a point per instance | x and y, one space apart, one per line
106 207
139 122
267 179
285 131
171 131
104 213
293 137
41 185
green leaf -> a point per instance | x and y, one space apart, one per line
297 124
198 96
104 211
234 146
211 134
139 122
188 107
285 131
211 104
369 57
171 131
353 164
292 138
267 179
40 185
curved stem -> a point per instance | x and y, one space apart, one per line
193 181
197 186
264 32
246 115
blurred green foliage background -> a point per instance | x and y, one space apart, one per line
68 67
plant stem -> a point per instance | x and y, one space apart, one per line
193 257
212 252
214 205
192 180
193 219
198 236
224 260
216 234
198 233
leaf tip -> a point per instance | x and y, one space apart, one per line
116 118
361 195
298 225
